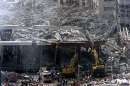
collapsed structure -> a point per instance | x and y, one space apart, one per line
71 37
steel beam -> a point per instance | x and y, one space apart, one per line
2 43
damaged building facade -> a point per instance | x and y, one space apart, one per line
79 3
124 13
31 26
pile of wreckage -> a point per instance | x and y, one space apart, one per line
67 33
43 78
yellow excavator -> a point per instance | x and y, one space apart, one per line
71 69
98 67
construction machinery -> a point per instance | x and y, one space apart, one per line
71 69
98 67
97 70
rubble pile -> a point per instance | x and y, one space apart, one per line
34 21
44 21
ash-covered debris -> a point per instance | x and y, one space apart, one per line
33 17
43 21
68 33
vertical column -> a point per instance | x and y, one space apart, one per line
1 60
80 3
94 4
89 4
86 3
59 3
64 2
100 8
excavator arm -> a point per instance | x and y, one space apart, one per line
98 68
71 69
